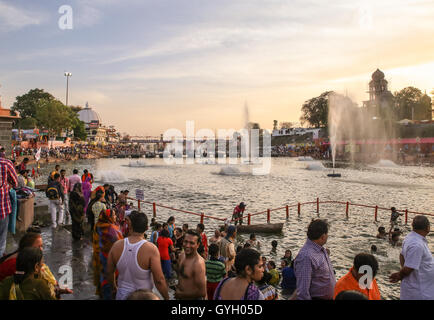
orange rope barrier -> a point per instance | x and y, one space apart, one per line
268 211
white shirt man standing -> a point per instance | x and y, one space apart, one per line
417 264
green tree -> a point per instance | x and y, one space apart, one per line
286 125
407 102
26 105
54 116
76 109
274 124
315 110
423 109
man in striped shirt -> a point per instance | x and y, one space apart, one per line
215 271
7 176
313 269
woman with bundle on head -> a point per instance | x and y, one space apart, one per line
105 234
249 268
76 209
26 283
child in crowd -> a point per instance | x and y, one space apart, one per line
288 256
275 277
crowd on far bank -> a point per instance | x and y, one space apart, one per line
134 258
56 153
316 152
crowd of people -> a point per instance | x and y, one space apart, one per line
57 153
316 152
127 264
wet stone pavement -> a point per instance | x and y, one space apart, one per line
61 250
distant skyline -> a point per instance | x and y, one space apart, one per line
147 66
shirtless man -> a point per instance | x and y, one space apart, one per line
139 265
191 272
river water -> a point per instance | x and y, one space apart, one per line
216 189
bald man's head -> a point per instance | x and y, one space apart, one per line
420 223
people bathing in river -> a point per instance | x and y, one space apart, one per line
254 243
289 281
288 256
394 237
275 277
238 212
273 247
382 234
394 217
264 262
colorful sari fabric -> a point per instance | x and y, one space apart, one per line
105 234
86 187
93 193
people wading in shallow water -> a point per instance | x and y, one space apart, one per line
237 215
191 271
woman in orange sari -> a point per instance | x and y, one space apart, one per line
105 234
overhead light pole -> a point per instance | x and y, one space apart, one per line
67 75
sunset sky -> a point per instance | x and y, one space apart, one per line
149 65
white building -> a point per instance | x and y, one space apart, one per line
94 129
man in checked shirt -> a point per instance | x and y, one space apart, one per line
7 176
313 269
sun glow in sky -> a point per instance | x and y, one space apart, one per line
146 66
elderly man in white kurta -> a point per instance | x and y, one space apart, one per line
417 264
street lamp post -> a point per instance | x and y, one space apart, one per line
67 75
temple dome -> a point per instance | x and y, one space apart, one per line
378 75
87 115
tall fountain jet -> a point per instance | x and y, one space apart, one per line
348 123
245 141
